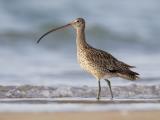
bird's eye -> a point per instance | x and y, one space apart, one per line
78 21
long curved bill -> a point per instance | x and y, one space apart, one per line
52 31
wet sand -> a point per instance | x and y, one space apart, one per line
77 105
76 100
123 115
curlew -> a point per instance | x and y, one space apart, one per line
98 63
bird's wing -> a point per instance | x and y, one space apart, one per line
106 61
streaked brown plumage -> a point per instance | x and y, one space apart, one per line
99 63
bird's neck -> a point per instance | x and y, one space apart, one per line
80 38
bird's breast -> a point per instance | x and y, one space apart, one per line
87 65
82 59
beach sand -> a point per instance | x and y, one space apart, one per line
113 115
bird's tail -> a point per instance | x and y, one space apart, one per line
129 75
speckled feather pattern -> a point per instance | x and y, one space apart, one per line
100 63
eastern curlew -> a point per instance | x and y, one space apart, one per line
99 63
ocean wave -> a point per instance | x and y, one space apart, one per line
123 92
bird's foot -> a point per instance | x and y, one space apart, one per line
98 98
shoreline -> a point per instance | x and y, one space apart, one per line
76 100
77 105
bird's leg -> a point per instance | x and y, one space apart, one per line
109 84
99 90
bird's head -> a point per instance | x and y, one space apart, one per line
78 23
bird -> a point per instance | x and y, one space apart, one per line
100 64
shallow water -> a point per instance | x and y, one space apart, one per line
77 104
70 98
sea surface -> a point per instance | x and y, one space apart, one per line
129 29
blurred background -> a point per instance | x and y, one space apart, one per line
129 29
